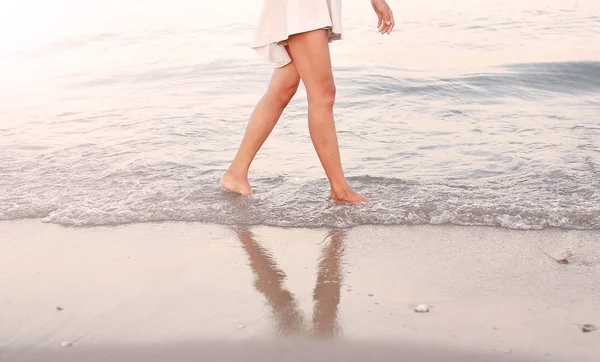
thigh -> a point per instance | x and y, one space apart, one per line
285 77
311 56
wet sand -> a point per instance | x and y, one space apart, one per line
191 291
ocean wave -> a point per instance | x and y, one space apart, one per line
279 201
525 80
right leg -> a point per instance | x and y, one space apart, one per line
282 88
327 291
310 51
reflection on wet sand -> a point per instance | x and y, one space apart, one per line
269 280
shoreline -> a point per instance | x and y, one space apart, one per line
497 293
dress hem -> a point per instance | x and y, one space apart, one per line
266 49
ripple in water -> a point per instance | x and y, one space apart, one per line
175 192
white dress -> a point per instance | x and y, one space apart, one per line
281 18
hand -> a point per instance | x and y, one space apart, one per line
386 22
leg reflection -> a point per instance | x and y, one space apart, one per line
269 281
326 294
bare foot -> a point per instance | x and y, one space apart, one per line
236 184
348 196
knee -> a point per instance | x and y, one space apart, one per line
323 95
285 92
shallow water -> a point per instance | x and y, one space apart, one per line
473 113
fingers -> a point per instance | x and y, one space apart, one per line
391 20
387 26
382 25
386 22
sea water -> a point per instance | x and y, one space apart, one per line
471 112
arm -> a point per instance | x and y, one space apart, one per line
384 14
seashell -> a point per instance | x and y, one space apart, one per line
588 328
422 308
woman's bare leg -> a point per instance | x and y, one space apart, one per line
327 291
269 280
311 57
282 88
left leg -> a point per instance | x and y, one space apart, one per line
269 280
282 88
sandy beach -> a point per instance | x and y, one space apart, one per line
193 291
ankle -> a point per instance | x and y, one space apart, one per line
341 189
237 172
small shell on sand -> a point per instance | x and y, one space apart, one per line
588 328
66 344
422 308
